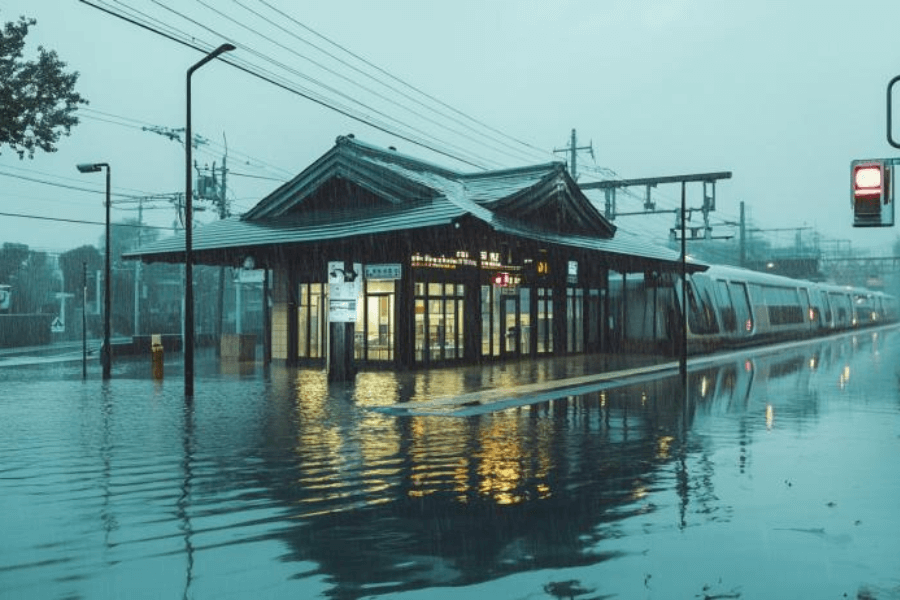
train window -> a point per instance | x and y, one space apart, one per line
783 305
827 305
726 308
812 309
741 302
702 318
842 312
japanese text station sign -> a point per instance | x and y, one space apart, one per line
383 271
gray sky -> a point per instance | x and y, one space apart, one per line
783 94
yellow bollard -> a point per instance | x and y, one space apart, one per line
156 349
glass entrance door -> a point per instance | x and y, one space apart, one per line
512 331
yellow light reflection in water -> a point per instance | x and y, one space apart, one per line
639 492
845 377
662 446
500 466
770 416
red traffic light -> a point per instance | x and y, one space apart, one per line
868 180
870 192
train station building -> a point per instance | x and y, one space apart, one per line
418 265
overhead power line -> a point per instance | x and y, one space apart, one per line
268 76
79 221
520 149
73 187
332 99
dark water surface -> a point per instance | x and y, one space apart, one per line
777 476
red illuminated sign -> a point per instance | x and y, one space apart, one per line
501 279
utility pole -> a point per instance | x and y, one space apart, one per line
573 149
137 271
743 256
223 214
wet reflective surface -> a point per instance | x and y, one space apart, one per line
775 476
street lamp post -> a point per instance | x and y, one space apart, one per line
188 233
106 351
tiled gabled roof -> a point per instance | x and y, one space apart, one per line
543 194
382 191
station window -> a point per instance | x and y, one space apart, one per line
544 320
574 320
374 331
311 321
439 317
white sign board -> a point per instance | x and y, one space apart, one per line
342 311
344 288
249 275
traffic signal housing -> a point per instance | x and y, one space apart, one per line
871 192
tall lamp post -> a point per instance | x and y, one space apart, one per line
106 351
188 233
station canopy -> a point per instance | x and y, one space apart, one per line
357 193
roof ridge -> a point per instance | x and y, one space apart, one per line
349 143
551 167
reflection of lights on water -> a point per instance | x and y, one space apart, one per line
704 386
603 399
845 376
662 446
543 491
639 492
770 416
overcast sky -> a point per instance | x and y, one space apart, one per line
783 94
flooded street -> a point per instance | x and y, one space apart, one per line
775 477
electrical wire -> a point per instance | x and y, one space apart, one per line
122 196
400 81
444 115
400 129
80 221
410 134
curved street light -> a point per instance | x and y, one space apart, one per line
106 350
188 233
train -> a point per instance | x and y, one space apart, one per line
731 307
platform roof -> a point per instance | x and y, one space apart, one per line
356 189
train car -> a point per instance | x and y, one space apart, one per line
732 307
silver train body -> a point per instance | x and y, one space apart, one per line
729 307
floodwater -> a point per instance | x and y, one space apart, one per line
774 476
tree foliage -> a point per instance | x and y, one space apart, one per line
73 263
12 258
38 100
127 235
32 277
